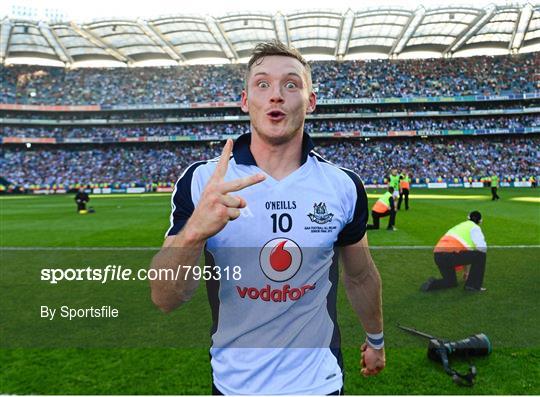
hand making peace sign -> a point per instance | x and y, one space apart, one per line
216 207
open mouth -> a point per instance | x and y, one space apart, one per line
276 115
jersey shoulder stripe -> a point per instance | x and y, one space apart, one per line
182 205
181 202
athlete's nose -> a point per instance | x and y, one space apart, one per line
276 95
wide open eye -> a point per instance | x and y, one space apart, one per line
290 84
263 84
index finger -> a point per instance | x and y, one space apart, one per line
221 168
241 183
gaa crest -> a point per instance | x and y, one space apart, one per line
320 214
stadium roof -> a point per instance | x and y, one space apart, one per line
390 31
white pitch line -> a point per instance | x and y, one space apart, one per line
375 247
419 247
79 248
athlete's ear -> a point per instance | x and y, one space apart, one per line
244 102
312 103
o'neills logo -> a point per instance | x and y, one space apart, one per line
268 294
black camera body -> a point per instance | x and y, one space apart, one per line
474 346
440 351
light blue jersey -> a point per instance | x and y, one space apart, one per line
275 329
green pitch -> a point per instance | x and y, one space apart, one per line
146 352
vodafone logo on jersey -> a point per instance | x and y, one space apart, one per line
280 259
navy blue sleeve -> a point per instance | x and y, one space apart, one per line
181 202
355 230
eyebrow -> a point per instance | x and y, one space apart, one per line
288 74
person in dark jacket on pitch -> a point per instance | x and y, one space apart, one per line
81 198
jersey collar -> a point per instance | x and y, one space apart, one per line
242 154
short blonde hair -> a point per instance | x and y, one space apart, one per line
278 48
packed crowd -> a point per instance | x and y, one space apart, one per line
159 114
509 157
151 130
424 107
124 115
103 164
434 158
332 79
311 126
422 123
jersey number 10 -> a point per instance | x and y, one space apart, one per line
283 222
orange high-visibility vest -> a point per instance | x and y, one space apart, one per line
450 244
382 204
457 239
404 183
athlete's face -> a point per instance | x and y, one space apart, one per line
278 97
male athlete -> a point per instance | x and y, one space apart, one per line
274 323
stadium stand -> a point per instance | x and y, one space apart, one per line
373 102
431 159
204 83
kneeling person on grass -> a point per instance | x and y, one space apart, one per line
464 244
81 198
384 206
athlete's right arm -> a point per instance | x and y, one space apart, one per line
182 251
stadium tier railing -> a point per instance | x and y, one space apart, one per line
222 137
217 119
215 105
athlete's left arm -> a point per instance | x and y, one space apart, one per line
363 286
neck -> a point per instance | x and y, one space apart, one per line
277 160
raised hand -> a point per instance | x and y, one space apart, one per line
216 207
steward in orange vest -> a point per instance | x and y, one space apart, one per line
464 244
384 206
404 188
